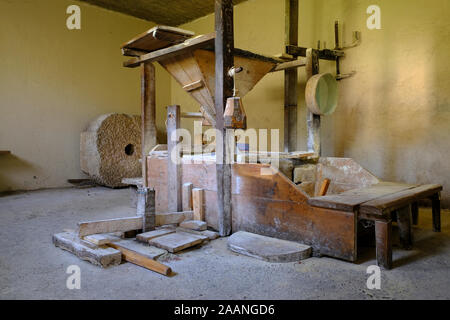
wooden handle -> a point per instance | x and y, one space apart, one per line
142 261
324 187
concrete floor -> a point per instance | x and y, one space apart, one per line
32 268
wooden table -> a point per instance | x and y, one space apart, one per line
381 203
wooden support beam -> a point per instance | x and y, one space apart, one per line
404 222
436 209
289 65
312 120
383 234
148 114
224 48
325 54
291 79
190 44
174 195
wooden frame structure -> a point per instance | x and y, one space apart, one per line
237 197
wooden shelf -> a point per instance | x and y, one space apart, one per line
4 152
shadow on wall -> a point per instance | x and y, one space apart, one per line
11 164
394 114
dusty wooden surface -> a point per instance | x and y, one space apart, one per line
269 205
158 37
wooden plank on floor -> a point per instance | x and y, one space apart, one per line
141 260
177 241
109 226
147 236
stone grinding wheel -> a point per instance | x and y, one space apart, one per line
110 149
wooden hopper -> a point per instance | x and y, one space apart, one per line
192 62
195 72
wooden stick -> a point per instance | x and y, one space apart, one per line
142 261
324 187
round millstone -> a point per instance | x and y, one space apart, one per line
110 149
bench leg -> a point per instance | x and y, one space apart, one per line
415 213
404 222
383 235
436 207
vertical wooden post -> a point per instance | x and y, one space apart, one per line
290 80
383 235
174 196
436 207
148 114
312 120
404 222
415 213
224 47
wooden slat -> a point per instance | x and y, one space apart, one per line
399 199
109 226
142 261
157 38
178 49
4 152
349 200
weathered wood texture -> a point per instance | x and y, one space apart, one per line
179 49
399 199
145 237
109 226
148 113
158 37
85 250
142 261
352 199
404 222
178 241
174 193
130 224
266 205
291 79
383 236
224 61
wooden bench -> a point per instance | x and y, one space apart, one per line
380 203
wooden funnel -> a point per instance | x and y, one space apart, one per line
195 72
